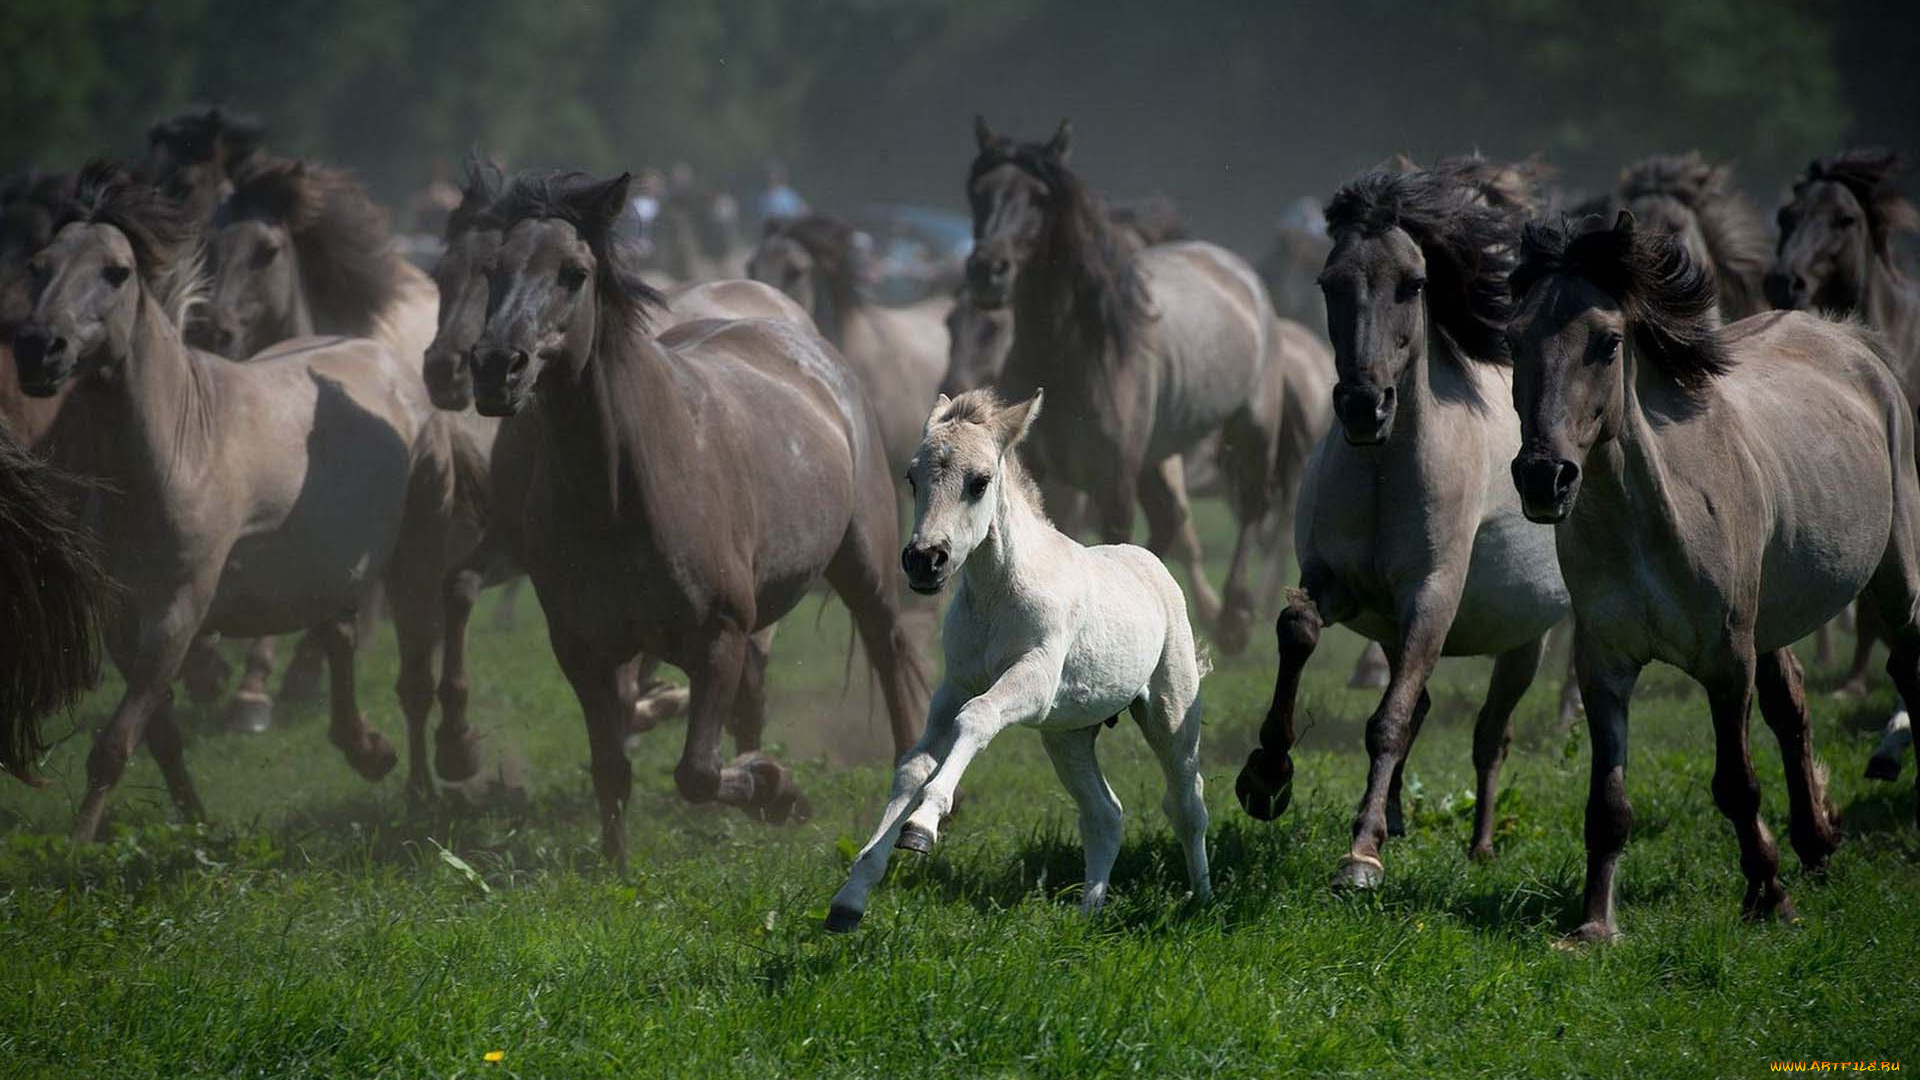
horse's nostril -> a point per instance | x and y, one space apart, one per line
1565 475
1001 266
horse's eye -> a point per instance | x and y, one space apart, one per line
1843 221
115 276
1411 288
977 486
1609 347
572 276
265 254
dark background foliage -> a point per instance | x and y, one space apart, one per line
1234 107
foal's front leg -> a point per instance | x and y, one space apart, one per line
1023 693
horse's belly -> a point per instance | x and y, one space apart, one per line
1514 592
276 584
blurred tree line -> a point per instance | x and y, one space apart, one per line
1238 105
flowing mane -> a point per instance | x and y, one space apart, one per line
1466 242
166 247
1110 297
342 238
479 190
1512 186
208 135
565 196
979 407
1869 174
829 242
1670 303
1735 236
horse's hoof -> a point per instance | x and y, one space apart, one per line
1883 768
914 838
1264 788
658 706
1358 874
843 920
372 756
1852 688
456 758
1480 853
1592 933
1396 822
249 713
1765 902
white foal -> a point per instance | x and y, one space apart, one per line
1042 632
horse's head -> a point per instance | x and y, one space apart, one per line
782 261
1374 282
1825 250
958 476
977 345
460 278
193 157
1011 189
118 238
1588 301
255 287
545 286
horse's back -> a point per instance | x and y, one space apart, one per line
1209 331
730 299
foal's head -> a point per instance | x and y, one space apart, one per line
1585 300
1844 213
557 278
461 280
1412 251
958 476
116 236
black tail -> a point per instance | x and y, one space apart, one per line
53 601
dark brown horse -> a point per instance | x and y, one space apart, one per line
194 157
28 203
687 492
1837 254
252 499
54 597
1148 353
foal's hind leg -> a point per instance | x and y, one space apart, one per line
251 710
1512 673
1163 498
1783 702
368 751
1078 767
1170 720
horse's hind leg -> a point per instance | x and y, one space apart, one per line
1512 673
1246 460
415 628
1868 625
1163 499
368 751
1170 720
169 752
1780 686
1895 737
251 711
456 749
862 573
750 705
1078 767
205 671
303 676
1736 790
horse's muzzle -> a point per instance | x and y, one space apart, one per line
1365 413
41 360
928 567
1786 292
498 378
1547 487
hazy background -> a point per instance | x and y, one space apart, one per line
1233 108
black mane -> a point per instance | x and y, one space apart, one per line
342 238
1467 243
1110 295
563 195
479 190
1869 174
165 244
1670 302
210 134
1735 236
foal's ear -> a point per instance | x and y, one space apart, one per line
1012 423
1061 146
939 406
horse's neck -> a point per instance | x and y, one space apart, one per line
828 314
1629 473
159 409
622 435
1004 565
1050 338
297 320
1893 307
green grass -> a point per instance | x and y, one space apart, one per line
315 928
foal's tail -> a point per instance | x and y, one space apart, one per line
53 600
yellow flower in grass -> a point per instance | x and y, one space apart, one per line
496 1055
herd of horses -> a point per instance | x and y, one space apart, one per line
235 410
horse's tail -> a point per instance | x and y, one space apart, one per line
54 597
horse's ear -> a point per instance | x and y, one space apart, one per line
1061 145
1012 423
1624 222
483 176
605 202
939 406
983 135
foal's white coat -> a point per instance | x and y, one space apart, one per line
1042 632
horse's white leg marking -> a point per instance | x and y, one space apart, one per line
1078 767
909 777
1023 692
1894 740
1171 723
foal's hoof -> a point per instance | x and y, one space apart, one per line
456 755
1265 784
843 920
656 705
914 838
1883 768
249 713
1358 874
371 755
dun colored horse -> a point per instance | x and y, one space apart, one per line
686 492
1717 495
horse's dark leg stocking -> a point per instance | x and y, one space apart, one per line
1783 703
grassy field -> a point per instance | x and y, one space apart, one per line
316 928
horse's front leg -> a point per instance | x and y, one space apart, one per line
149 653
754 781
596 681
1023 693
1606 686
909 777
1265 784
1424 620
368 751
